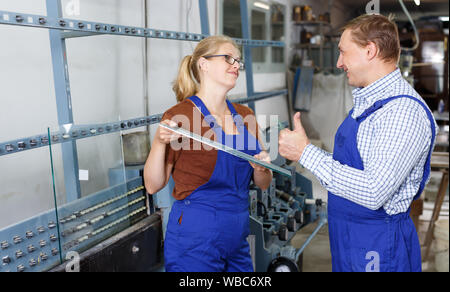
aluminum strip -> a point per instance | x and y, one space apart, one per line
97 28
260 96
75 133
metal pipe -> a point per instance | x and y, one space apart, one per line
322 222
145 69
416 34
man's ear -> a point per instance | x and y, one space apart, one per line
372 51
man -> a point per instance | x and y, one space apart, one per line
381 157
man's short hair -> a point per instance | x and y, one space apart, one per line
377 29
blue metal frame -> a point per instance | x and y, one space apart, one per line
261 96
64 103
80 28
74 133
247 51
203 5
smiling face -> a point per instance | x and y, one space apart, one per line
353 59
218 71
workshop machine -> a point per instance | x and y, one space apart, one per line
276 215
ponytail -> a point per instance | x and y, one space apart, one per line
185 86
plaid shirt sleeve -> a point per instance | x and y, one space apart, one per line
401 136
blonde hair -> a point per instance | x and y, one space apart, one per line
188 79
378 29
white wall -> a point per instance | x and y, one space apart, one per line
107 84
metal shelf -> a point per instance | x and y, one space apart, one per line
318 23
313 46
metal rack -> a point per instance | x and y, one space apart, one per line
60 29
321 49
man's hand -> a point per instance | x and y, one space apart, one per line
291 144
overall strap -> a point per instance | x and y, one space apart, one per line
204 110
379 104
237 118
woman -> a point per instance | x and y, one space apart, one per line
209 221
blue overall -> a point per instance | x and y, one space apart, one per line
362 239
207 231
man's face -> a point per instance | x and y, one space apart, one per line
353 60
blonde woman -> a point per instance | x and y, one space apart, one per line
209 221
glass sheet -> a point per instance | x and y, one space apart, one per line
28 233
228 150
98 195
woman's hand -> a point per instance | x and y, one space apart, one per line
262 177
263 156
165 136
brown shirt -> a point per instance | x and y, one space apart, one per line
193 162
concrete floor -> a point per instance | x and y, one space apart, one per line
317 256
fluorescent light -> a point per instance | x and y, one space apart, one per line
262 5
443 18
417 2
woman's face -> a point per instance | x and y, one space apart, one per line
218 71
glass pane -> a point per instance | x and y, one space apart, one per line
277 21
98 195
258 20
28 233
232 25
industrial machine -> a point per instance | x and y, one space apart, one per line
277 214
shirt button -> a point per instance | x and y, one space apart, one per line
187 202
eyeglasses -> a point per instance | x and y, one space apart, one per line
230 60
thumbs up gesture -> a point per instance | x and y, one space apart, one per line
291 144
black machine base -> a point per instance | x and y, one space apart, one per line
136 249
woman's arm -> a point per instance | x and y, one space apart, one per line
157 171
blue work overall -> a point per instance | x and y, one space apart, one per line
362 239
207 231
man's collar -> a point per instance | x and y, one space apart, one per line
377 88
